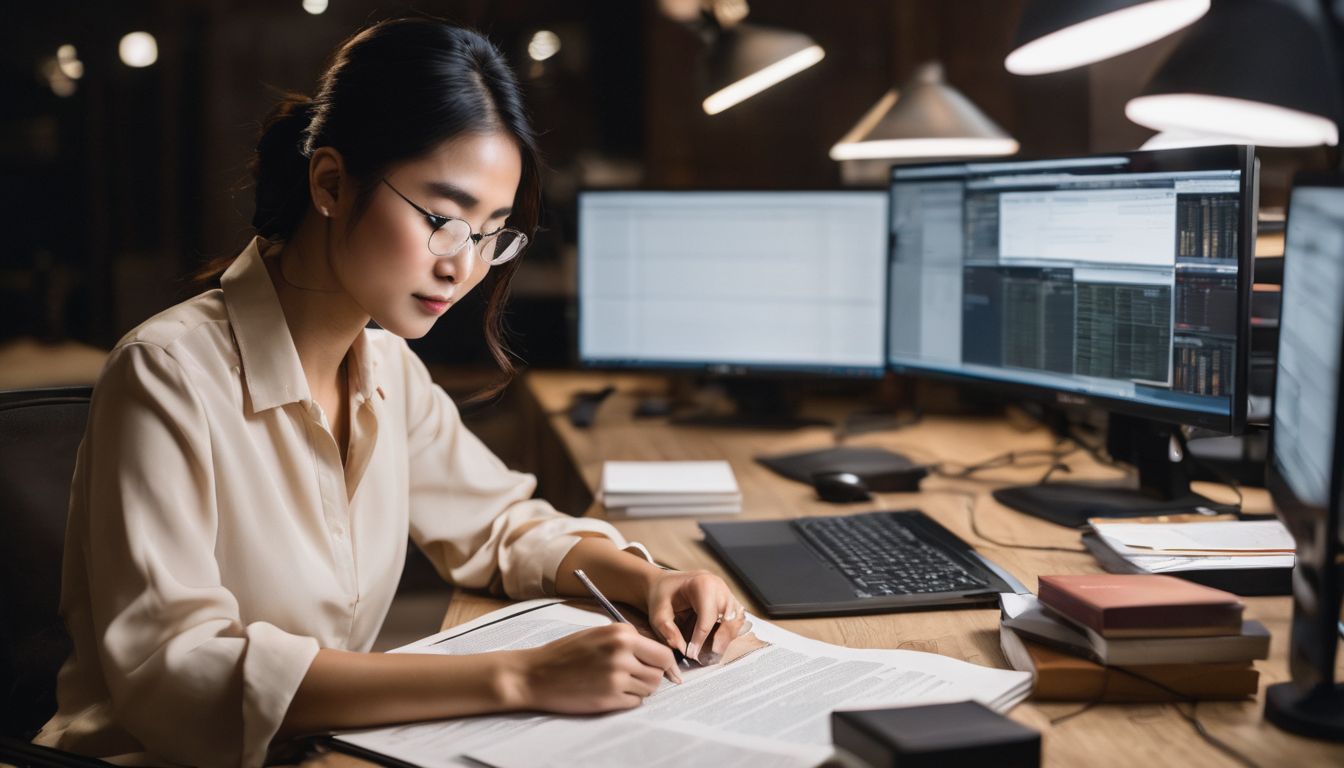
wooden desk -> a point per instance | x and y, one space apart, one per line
1125 736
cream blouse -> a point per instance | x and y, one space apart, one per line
215 541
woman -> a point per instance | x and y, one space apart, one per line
255 456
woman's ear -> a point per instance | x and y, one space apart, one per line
326 174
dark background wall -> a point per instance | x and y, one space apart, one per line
113 195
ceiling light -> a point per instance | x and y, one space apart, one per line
138 49
746 59
68 61
1055 35
1261 71
544 45
926 118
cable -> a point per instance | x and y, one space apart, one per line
1191 717
971 499
1089 705
1009 459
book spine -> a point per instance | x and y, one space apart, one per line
1116 684
1217 619
1081 651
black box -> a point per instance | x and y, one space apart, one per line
966 734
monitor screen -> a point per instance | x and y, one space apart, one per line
1304 475
1311 336
1119 279
733 282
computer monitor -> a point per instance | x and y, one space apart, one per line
752 286
1305 472
1119 280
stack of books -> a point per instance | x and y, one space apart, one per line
1131 638
660 488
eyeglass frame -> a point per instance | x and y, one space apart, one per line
438 221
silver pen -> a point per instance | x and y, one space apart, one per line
611 609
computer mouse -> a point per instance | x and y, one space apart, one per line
840 487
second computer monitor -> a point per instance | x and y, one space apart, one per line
733 282
1121 280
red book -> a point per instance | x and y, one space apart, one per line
1142 605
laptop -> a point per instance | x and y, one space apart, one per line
862 563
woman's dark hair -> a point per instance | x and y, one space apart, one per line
392 93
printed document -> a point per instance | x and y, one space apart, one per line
768 703
1171 547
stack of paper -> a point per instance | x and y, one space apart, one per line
653 488
1173 547
769 703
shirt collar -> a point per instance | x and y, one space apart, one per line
271 367
270 362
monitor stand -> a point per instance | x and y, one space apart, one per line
1163 486
758 404
1312 703
1317 713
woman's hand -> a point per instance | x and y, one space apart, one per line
594 670
697 596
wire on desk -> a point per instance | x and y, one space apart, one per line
1008 459
972 499
1069 716
1191 717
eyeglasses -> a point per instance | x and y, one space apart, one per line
450 234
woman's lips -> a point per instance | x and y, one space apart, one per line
434 305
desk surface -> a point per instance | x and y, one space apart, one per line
1105 735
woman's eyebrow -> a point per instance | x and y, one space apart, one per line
462 197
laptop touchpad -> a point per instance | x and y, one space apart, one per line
790 574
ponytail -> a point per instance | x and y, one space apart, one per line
280 168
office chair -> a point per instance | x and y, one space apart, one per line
40 430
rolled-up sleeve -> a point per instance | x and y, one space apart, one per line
473 516
187 677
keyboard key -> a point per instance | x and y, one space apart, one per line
881 554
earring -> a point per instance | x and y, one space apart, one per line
325 212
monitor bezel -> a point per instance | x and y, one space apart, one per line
714 367
1316 530
1197 158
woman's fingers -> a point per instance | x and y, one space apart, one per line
663 621
710 617
645 680
709 606
659 658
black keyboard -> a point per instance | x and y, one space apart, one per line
888 553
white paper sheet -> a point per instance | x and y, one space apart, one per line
771 706
1198 539
668 478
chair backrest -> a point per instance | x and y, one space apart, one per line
40 431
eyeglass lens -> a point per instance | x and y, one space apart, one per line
453 236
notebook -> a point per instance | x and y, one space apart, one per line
650 488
